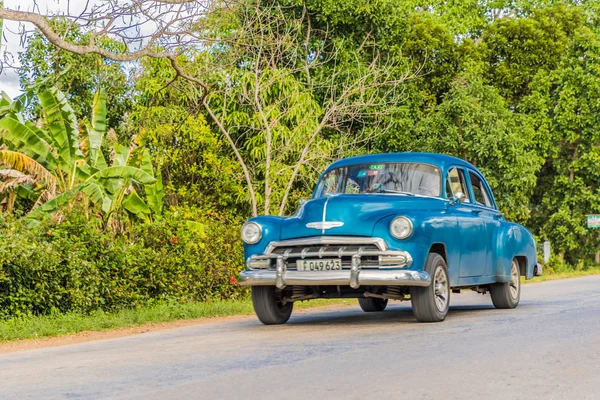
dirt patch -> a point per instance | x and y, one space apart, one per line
89 336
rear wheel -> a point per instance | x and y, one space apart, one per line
508 294
372 304
431 303
269 305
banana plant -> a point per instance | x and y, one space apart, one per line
122 194
58 161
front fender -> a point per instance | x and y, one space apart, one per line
514 240
429 228
415 244
271 231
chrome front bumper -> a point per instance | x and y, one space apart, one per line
372 264
353 278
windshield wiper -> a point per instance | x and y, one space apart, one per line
383 190
397 192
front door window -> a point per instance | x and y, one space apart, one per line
456 183
479 191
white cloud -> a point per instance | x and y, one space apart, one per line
9 83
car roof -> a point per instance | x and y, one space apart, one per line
440 160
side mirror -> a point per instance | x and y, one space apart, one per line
457 198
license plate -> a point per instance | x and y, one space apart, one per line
320 264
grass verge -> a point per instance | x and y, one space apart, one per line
65 324
549 275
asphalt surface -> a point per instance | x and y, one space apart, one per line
547 348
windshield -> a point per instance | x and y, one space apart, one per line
393 178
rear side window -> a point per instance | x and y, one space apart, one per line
482 197
456 183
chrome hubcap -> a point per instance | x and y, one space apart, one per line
441 289
515 281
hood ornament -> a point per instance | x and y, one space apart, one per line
323 225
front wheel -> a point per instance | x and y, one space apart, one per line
372 304
508 294
269 305
431 303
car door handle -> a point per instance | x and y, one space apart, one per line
476 212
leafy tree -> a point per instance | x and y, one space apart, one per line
565 106
473 122
80 77
516 49
292 98
240 107
197 164
411 33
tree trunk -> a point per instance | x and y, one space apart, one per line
12 196
571 171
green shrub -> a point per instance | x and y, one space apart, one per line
77 266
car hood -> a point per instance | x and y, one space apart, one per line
353 215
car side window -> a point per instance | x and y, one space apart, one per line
482 197
456 183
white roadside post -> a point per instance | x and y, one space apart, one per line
546 250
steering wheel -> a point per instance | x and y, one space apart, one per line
378 187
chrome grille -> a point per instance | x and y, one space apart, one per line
369 254
365 252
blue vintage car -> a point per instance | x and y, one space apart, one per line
397 226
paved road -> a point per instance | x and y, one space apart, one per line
547 348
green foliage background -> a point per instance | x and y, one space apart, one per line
511 86
77 266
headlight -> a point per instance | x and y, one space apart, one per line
251 232
401 227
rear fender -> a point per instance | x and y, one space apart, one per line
514 240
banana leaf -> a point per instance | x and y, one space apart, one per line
97 129
121 155
26 138
62 125
134 204
124 172
91 189
154 192
5 104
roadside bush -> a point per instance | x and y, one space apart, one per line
77 266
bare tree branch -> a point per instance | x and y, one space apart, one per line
239 157
260 63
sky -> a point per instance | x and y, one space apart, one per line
11 41
9 80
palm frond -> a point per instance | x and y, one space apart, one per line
27 165
11 178
45 196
